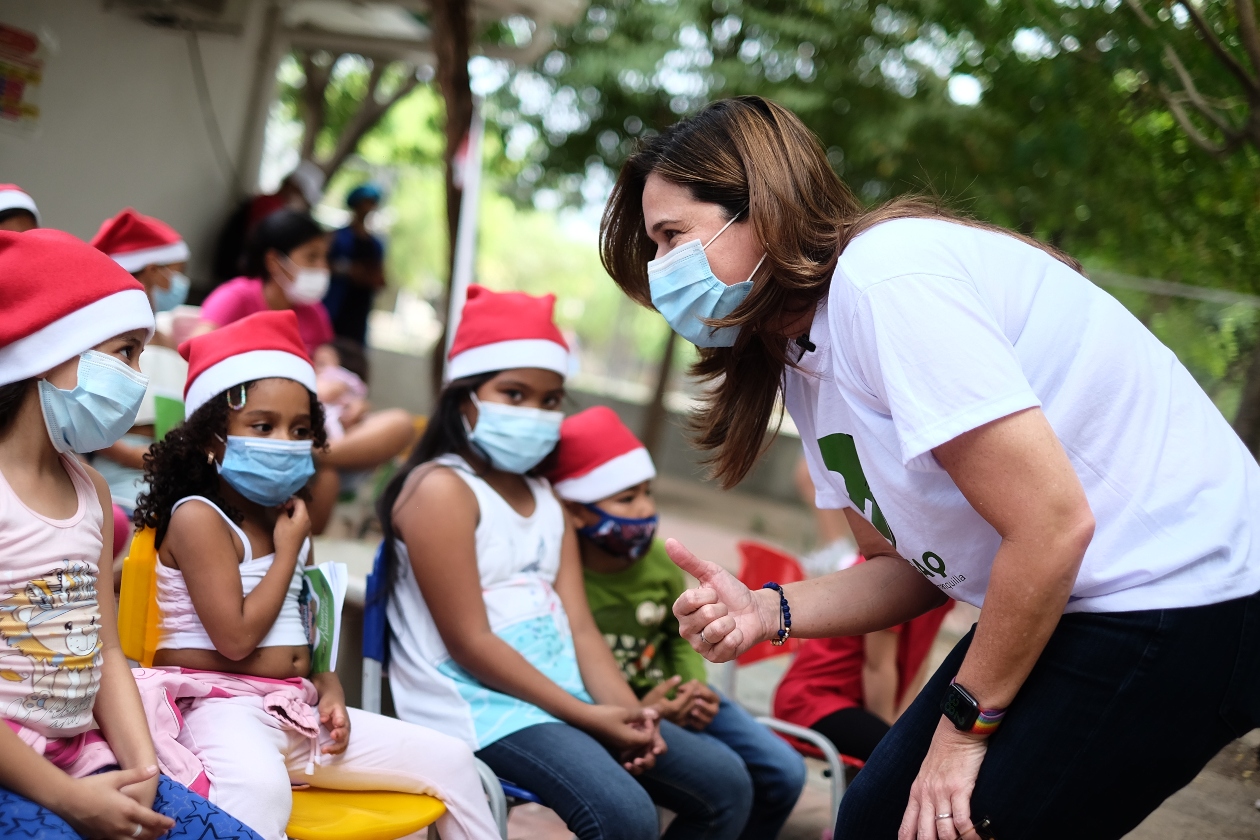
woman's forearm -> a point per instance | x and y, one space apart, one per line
1017 475
1028 588
882 592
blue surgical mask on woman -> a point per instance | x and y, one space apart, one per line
164 300
687 292
99 410
619 535
266 471
513 438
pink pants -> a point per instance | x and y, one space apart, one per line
250 760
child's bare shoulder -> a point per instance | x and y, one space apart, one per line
197 519
433 484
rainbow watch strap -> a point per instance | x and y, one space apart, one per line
987 720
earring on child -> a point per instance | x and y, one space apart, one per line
209 457
233 405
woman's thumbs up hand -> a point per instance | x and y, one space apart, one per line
721 617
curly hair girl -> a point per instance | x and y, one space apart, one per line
178 465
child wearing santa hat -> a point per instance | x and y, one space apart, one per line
76 758
153 252
18 212
287 268
603 474
156 256
233 535
491 638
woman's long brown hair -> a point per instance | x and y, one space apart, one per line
755 158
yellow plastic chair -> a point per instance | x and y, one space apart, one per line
317 814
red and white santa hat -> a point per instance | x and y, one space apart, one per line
13 197
598 457
136 241
503 330
59 298
264 345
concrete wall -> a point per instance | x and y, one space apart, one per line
121 124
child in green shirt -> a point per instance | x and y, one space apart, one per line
603 474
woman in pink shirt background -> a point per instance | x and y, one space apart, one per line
286 265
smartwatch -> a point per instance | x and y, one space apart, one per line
962 709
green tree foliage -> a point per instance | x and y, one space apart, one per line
1050 116
1070 139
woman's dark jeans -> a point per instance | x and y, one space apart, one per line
1120 711
699 779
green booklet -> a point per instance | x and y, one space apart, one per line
323 595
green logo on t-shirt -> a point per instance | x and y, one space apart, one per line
839 453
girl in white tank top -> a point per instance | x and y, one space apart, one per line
232 541
491 637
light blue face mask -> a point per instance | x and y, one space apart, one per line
164 300
265 471
512 438
99 410
686 292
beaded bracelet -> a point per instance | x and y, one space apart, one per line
785 615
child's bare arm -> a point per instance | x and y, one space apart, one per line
332 711
200 543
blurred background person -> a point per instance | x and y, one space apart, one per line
356 259
18 212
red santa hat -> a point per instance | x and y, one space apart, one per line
503 330
136 241
264 345
13 197
60 297
598 457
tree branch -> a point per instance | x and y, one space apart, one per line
1247 31
314 104
1232 64
1218 150
367 115
1192 95
1141 13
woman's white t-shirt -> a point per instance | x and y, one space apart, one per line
932 329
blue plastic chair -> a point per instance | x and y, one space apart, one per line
502 794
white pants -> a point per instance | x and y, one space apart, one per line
250 760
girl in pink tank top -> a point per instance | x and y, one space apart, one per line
72 327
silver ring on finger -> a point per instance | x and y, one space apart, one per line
137 830
944 816
703 639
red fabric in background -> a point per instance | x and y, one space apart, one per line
122 530
826 675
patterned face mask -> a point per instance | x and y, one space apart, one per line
619 536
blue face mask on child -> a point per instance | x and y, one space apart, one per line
100 409
265 471
512 438
619 536
686 293
164 300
